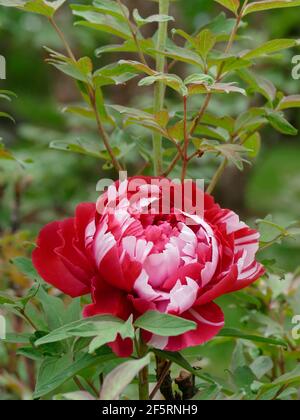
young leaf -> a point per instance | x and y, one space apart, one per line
270 47
253 144
232 5
105 23
205 42
171 80
292 101
259 6
164 324
117 380
182 54
140 21
258 84
277 121
82 148
111 7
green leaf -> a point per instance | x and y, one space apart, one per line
95 19
11 3
234 333
140 21
232 152
25 266
270 47
261 366
80 70
238 358
81 148
232 5
270 390
221 26
79 111
250 120
182 54
111 7
141 118
289 378
53 307
171 80
56 371
163 324
96 326
259 6
277 121
200 88
108 335
146 45
117 380
292 101
258 84
227 123
243 378
17 338
5 299
199 78
6 115
253 144
205 42
207 394
41 7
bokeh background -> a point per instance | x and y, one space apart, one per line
52 182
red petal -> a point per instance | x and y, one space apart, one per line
211 292
50 265
209 319
85 213
108 300
122 348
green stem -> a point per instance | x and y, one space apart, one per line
217 176
186 141
63 38
92 96
144 373
133 31
26 317
159 93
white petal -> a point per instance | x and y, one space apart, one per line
183 296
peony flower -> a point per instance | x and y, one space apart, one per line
133 256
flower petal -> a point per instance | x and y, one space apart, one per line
51 266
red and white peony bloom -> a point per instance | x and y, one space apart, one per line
132 261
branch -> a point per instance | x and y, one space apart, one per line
92 97
133 33
159 92
217 176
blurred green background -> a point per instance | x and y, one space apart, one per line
52 182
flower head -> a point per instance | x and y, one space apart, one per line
137 250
